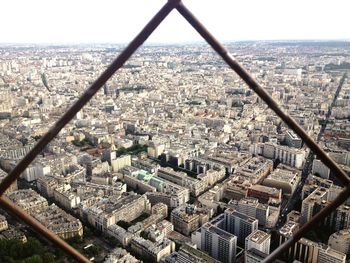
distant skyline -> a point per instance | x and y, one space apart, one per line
111 21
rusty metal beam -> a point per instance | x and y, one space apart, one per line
265 96
29 220
341 198
88 94
67 116
262 93
118 62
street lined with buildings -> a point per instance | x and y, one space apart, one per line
176 159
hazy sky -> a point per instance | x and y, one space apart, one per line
117 21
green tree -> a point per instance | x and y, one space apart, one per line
34 259
75 240
48 257
32 246
15 249
93 251
8 259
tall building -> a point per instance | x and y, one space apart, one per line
255 170
187 218
218 243
251 207
291 156
337 220
306 250
327 254
254 256
303 250
283 179
319 168
286 232
188 254
258 240
120 162
340 241
313 182
293 216
307 207
239 224
293 140
155 149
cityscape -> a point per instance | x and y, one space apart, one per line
176 159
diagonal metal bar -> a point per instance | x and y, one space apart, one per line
72 111
89 93
263 94
341 198
121 59
14 209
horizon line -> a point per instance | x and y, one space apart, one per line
167 43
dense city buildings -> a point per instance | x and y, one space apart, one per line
175 159
187 219
189 254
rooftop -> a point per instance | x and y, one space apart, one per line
220 232
258 236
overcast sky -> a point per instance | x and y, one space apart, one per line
118 21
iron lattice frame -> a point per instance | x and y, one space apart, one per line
117 64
